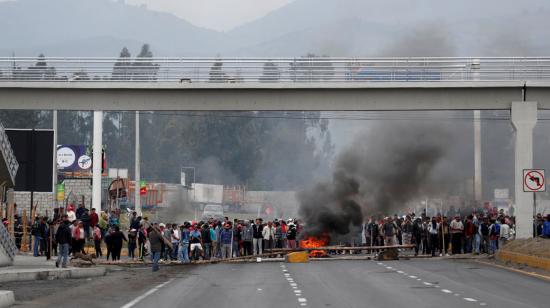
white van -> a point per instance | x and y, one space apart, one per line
214 211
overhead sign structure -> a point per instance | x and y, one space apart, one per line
534 180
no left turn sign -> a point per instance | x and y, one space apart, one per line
534 180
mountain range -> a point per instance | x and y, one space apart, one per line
359 28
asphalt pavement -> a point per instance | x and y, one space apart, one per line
407 283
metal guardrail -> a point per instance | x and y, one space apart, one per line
272 70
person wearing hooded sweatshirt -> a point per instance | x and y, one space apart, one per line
63 239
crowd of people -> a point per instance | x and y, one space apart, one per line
441 235
76 230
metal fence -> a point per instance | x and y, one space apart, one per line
264 70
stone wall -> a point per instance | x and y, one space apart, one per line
75 190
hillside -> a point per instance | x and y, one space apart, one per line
96 27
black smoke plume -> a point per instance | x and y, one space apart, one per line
385 168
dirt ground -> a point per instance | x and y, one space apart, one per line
539 247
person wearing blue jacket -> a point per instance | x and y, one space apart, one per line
183 251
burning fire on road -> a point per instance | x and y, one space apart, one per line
314 242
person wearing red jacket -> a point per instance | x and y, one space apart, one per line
94 218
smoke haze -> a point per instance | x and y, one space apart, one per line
380 172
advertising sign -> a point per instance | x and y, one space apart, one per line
74 158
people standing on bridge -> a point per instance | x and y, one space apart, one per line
457 229
63 238
155 240
257 242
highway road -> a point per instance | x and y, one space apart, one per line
393 284
413 283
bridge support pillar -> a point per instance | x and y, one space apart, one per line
97 162
524 119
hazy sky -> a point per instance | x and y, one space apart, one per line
215 14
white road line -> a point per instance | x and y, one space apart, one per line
400 272
413 277
482 304
302 300
446 291
141 297
468 299
427 283
297 291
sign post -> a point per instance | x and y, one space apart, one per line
534 181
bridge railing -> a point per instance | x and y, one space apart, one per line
271 70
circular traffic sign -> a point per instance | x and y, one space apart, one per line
534 180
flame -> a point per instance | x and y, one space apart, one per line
313 242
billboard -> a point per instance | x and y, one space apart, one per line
33 150
74 158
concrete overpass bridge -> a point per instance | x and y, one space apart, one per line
521 85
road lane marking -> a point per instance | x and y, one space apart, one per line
468 299
141 297
302 300
482 304
427 283
400 272
446 291
413 277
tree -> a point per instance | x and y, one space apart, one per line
216 72
123 66
311 68
143 67
270 72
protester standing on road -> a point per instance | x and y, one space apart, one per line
546 227
155 239
97 241
247 235
183 250
417 235
257 242
389 231
457 229
433 229
117 238
268 233
206 240
226 238
132 236
63 238
504 235
291 235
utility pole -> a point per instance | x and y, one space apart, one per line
97 163
54 171
137 170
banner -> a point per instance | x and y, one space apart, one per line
60 192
